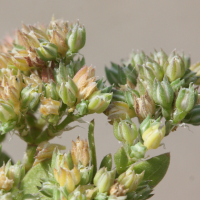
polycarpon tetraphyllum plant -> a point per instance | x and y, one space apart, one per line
45 85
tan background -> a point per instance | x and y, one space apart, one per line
114 28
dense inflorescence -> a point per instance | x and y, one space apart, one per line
45 85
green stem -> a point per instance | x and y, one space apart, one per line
52 131
28 159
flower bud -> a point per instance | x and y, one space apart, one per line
118 190
160 57
30 97
5 183
125 131
67 178
138 151
15 172
76 195
153 136
47 51
49 106
82 107
157 69
98 102
76 38
68 92
163 93
119 109
143 86
6 111
86 175
80 152
85 81
130 180
61 73
184 103
174 68
50 91
146 73
6 196
104 179
177 84
138 58
45 151
196 68
144 106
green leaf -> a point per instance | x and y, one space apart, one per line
33 178
155 168
92 147
121 160
107 162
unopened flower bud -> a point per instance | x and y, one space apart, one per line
45 151
76 38
153 136
118 190
68 92
51 92
138 151
130 180
163 93
184 103
174 68
98 102
177 84
61 73
30 97
47 51
157 69
160 57
143 86
104 179
146 73
138 58
125 131
15 172
85 81
119 109
144 106
196 68
5 183
86 175
49 106
6 111
67 178
77 195
80 152
82 107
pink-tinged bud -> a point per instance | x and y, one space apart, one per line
80 152
144 106
85 81
45 151
119 109
49 106
118 190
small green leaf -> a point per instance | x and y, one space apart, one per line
92 146
155 168
107 162
121 160
33 178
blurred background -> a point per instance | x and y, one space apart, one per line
114 29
